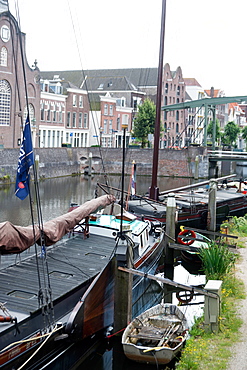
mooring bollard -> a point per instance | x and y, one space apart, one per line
212 306
212 206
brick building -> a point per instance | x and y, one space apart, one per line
15 84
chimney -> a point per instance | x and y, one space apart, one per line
212 92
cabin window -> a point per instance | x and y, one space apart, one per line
3 57
5 100
141 240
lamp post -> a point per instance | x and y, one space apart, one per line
100 135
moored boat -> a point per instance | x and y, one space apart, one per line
157 335
35 316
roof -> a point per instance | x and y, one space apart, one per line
137 77
191 82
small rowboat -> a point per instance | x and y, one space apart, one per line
157 335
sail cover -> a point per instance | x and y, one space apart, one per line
15 239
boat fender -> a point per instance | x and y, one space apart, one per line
6 319
181 239
184 297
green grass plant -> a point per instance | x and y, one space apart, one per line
212 351
217 261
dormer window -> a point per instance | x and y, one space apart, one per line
101 87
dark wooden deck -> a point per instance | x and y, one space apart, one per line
71 262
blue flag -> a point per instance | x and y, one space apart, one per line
26 160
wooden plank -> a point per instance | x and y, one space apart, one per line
169 282
212 233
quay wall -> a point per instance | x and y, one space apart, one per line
56 162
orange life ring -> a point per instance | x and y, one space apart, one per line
182 237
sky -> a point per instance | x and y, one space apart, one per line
205 38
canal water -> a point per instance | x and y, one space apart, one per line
56 196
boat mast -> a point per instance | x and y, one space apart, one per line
154 190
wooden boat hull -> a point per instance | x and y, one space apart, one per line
95 310
141 347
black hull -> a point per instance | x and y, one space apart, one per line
194 215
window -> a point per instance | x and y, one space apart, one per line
106 109
74 119
58 138
177 128
42 112
74 100
81 101
3 57
86 139
44 137
111 110
49 139
105 126
178 90
31 114
177 115
85 120
80 121
165 101
110 126
60 116
68 119
166 88
48 112
5 99
54 115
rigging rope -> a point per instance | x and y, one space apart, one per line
45 292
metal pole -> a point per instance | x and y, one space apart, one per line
206 125
122 186
154 190
214 127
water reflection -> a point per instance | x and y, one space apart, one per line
57 194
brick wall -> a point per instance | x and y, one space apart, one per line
55 162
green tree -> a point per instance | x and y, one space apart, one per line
210 129
244 134
144 122
230 134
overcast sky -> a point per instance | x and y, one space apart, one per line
205 38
